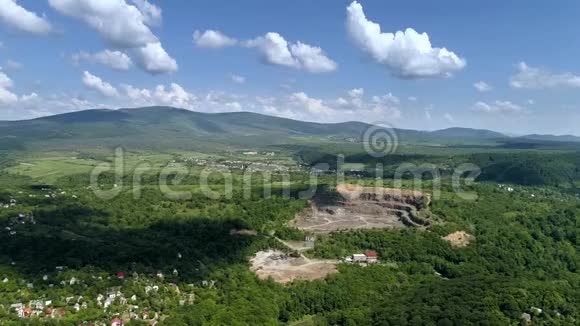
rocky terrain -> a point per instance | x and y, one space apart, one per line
354 207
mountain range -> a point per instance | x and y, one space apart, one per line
172 128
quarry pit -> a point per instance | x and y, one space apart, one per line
351 207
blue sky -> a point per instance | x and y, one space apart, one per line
321 60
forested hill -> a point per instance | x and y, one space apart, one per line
166 127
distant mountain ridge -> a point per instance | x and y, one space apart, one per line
172 128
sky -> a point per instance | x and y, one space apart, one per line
509 66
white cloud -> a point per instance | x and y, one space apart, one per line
389 99
539 78
238 79
175 95
498 107
17 17
10 100
428 112
101 86
448 117
531 102
118 23
123 25
276 50
312 105
115 59
355 103
212 39
482 87
351 107
312 58
155 60
406 54
152 13
6 96
234 106
356 92
34 105
412 98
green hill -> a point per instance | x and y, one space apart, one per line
171 128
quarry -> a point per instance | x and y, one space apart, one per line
351 207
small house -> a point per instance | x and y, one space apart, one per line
372 257
359 258
116 322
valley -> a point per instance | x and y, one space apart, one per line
261 234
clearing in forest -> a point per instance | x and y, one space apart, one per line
284 268
459 239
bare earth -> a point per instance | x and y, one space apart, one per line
284 269
459 239
363 208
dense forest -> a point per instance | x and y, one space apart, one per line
524 258
521 167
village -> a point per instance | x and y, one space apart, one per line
250 161
130 300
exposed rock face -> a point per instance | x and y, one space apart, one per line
356 207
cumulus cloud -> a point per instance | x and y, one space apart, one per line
233 106
482 87
93 82
174 95
312 105
355 103
539 78
312 58
154 59
276 50
117 60
10 99
353 106
123 25
407 54
356 92
212 39
17 17
238 79
151 13
6 96
34 105
498 107
118 23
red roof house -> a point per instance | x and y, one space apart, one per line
372 257
116 322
